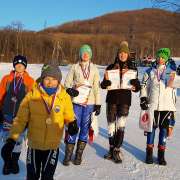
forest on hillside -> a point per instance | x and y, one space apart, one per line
149 30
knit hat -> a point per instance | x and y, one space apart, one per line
85 48
164 53
52 71
19 59
124 47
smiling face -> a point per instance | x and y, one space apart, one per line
50 82
19 68
123 56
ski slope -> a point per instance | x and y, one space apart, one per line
94 166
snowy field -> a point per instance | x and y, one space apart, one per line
94 166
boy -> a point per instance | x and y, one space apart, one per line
44 111
13 88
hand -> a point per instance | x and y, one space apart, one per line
7 149
72 92
73 128
97 109
105 83
136 85
144 103
170 131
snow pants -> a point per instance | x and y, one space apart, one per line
116 117
41 163
83 116
163 120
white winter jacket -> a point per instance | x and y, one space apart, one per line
160 96
75 77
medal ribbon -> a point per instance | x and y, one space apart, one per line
85 71
160 75
49 108
17 85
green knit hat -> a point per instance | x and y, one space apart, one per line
164 53
124 47
85 48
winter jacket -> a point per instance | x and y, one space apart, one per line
75 77
42 134
7 92
120 96
160 96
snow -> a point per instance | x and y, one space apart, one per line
94 166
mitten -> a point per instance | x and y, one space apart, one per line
72 92
73 128
7 149
144 103
105 83
136 84
97 109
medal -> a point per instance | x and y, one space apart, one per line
49 108
48 120
14 99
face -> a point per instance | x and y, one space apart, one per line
161 61
85 56
19 68
50 82
123 56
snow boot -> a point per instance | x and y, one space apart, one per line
15 165
6 168
68 154
109 155
79 151
149 155
117 156
161 159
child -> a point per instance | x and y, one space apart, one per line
13 88
43 112
158 97
118 102
82 74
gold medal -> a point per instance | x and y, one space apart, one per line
48 120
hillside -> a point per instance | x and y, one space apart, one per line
138 21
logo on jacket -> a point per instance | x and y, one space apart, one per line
57 109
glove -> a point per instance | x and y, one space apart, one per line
97 109
136 84
72 92
7 149
73 128
144 103
105 83
1 117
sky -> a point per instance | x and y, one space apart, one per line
38 14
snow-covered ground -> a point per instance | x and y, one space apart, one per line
94 166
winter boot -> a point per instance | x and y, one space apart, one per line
79 151
15 165
68 154
149 154
161 159
6 168
109 155
117 156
